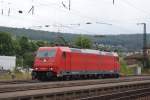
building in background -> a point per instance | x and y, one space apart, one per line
7 62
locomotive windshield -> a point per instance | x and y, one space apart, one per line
46 53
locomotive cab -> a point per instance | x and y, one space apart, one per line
44 64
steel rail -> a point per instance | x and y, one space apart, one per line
49 85
4 82
18 82
106 91
123 95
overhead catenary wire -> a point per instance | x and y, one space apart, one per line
77 13
69 26
74 12
136 8
95 20
81 30
82 17
133 6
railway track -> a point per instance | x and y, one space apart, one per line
108 91
18 82
36 81
60 84
136 94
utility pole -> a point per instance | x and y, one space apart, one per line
145 58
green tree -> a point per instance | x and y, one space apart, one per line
6 44
17 47
33 46
124 69
41 43
28 59
24 44
83 42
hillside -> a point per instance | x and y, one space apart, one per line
132 42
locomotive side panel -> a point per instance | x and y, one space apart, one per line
77 62
89 63
106 63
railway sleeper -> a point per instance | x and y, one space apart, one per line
103 93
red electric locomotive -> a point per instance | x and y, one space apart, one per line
64 62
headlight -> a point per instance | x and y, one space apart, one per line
51 68
36 68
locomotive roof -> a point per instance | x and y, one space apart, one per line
88 51
91 51
94 52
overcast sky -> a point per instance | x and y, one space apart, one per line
84 17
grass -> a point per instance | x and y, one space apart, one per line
5 77
18 76
124 69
